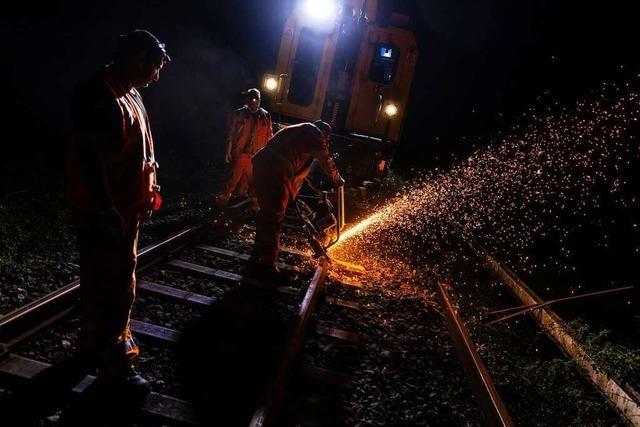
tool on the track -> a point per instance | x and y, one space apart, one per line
319 223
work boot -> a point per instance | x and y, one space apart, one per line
136 381
130 384
114 400
272 274
254 204
266 273
222 200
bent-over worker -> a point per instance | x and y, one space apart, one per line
279 170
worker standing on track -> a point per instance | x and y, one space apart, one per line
279 171
111 186
249 131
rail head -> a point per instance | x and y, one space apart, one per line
268 411
626 404
484 390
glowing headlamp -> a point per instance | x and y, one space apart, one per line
270 83
320 13
391 110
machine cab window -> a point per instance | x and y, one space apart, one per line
383 65
306 66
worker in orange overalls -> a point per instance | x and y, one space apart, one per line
279 171
249 131
111 186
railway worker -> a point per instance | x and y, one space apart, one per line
249 130
279 171
111 186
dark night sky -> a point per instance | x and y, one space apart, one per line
484 62
481 63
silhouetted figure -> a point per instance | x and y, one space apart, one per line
111 186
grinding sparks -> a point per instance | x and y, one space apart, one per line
540 182
361 226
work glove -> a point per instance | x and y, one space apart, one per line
109 226
339 182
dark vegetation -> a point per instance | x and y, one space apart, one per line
37 239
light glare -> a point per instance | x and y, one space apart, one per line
320 12
270 83
390 110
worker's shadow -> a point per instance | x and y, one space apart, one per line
30 402
226 360
52 396
228 357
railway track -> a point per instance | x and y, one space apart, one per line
190 254
186 253
621 396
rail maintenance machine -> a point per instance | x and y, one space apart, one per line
341 61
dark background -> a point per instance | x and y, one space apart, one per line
481 63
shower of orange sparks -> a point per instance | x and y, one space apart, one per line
505 193
354 245
360 228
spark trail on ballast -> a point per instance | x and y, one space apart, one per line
542 180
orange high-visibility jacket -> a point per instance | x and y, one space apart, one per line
111 160
296 147
248 135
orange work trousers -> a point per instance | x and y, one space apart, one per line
240 176
272 187
107 292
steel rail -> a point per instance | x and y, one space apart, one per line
24 321
491 405
38 314
269 410
621 400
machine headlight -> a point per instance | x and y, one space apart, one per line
391 110
270 83
320 12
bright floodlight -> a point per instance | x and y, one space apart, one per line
270 83
391 110
320 12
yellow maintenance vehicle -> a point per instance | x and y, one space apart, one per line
342 62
